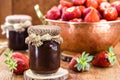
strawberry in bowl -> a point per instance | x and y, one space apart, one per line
88 28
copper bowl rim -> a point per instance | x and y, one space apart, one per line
66 22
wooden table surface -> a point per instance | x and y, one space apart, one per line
95 73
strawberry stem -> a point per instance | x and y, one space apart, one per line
10 61
111 56
83 62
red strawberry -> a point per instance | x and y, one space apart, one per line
71 13
21 56
78 2
92 3
60 7
17 62
116 4
66 3
54 13
104 58
21 66
86 11
80 63
82 8
110 14
92 16
103 6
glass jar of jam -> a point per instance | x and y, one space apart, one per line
15 28
44 48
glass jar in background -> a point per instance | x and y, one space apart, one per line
44 48
15 28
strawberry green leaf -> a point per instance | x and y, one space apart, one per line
87 66
111 50
83 62
79 67
10 61
111 56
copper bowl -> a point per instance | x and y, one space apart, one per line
87 36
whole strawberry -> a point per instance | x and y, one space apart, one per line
17 62
110 14
116 4
92 16
21 56
21 66
71 13
80 63
92 3
54 13
104 58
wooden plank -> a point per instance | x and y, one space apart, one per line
27 7
5 9
95 73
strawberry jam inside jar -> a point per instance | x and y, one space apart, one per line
15 28
16 40
44 48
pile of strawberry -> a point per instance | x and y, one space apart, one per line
101 59
85 11
17 61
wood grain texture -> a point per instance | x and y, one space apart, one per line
5 9
27 7
95 73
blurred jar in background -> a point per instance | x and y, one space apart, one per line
15 28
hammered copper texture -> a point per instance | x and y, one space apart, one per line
89 37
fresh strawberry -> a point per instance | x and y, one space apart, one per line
116 4
71 13
104 58
17 62
110 14
21 66
80 63
86 11
92 3
21 56
103 6
65 3
81 8
54 13
76 20
60 7
78 2
92 16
